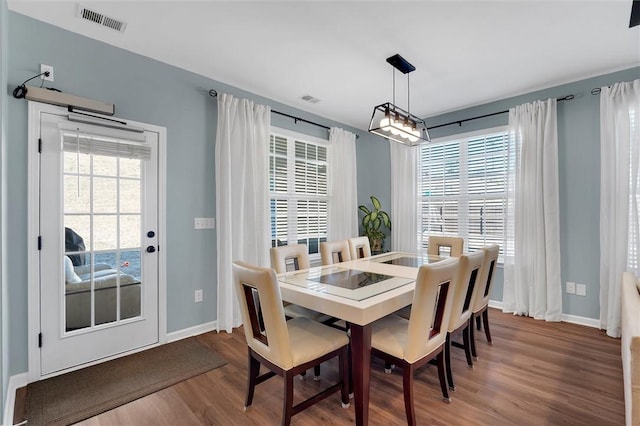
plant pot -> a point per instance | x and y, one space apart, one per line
376 245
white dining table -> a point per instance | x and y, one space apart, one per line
359 292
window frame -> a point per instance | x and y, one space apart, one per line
291 195
463 198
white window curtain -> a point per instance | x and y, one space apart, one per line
404 197
619 175
242 196
532 283
343 203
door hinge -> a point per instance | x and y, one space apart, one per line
39 340
39 242
40 145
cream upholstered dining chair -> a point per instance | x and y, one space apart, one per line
461 309
293 258
412 343
289 258
359 247
334 252
286 348
481 302
455 245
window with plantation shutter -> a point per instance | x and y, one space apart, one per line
298 189
462 189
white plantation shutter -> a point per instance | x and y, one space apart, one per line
634 200
462 189
298 184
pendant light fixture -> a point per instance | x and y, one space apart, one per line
394 123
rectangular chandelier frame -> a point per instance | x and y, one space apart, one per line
399 125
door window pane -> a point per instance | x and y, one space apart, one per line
130 199
105 195
105 232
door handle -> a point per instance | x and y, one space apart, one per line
151 249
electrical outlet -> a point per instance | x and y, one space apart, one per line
581 289
198 296
44 68
571 287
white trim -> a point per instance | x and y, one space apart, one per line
279 131
587 322
571 319
468 135
33 288
15 382
192 331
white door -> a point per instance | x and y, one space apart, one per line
98 250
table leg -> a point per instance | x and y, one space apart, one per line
361 370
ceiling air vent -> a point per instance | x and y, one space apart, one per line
100 19
310 98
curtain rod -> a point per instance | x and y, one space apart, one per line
214 94
459 122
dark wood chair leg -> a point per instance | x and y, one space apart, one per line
447 358
485 323
407 384
254 370
344 361
316 372
287 410
388 367
478 322
441 375
472 337
466 338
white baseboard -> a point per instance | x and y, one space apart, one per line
192 331
588 322
15 382
572 319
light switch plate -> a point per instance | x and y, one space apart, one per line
204 223
198 296
581 289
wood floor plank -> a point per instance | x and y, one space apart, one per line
535 373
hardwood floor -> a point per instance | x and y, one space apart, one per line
536 373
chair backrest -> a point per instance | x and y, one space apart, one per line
289 258
272 342
454 244
467 284
334 252
359 247
431 308
486 277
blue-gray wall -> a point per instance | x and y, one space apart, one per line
149 91
579 164
142 90
4 319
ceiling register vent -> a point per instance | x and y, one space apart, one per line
310 98
100 19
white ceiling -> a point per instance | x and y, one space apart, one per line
466 53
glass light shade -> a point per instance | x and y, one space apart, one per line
385 124
415 135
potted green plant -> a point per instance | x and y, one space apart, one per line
372 221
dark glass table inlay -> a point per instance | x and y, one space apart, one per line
413 262
350 279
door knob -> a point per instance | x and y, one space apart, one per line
151 249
